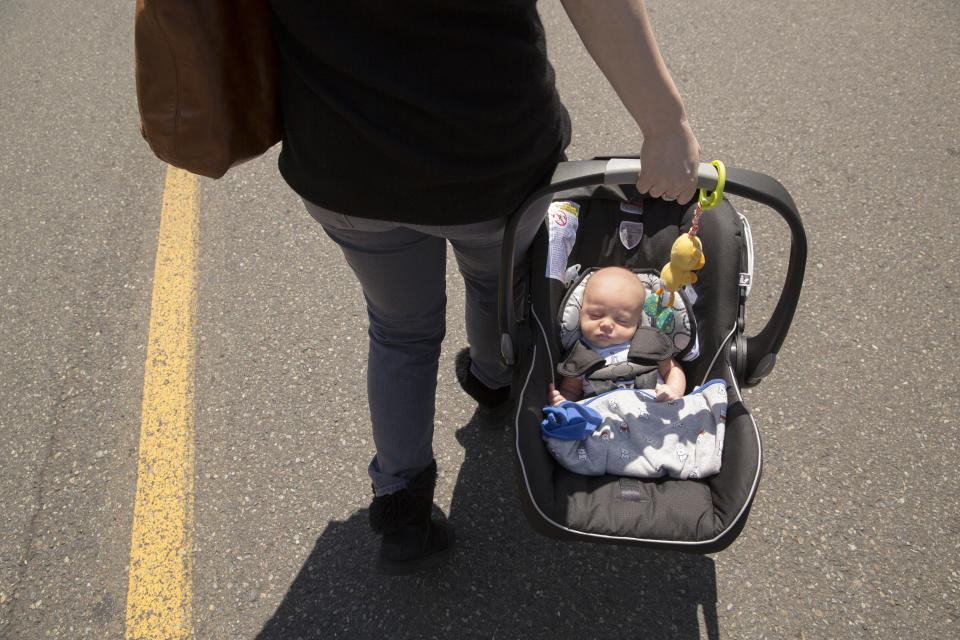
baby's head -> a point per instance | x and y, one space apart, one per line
612 307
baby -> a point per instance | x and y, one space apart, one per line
609 316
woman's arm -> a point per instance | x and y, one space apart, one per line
618 36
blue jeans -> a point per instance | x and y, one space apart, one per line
402 269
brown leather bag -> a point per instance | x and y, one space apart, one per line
206 74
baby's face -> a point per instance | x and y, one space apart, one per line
611 311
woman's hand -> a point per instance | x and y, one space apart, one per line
669 162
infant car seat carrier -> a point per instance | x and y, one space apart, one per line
689 515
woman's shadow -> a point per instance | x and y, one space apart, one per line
504 581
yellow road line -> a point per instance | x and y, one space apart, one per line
160 589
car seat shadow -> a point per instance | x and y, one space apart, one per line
503 581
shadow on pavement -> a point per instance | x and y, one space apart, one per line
503 581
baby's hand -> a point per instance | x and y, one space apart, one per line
555 396
666 392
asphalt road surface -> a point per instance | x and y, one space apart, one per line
853 106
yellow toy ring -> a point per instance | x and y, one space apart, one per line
709 202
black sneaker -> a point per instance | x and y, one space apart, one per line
484 395
494 406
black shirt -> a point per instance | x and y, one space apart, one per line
421 111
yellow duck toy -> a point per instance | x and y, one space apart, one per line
686 256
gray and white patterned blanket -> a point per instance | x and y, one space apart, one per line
625 432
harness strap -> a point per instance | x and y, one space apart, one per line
648 347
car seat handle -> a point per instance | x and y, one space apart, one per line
761 348
625 170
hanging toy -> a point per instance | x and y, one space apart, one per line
686 256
